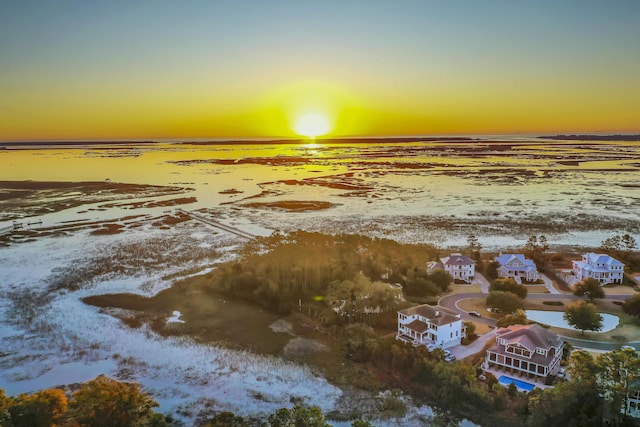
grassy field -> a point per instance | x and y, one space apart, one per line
619 290
477 304
481 328
465 289
207 317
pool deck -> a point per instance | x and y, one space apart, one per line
498 373
522 385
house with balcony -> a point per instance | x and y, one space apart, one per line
517 267
459 266
601 267
526 350
432 326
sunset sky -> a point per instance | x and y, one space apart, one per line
199 69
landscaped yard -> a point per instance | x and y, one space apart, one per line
627 331
619 290
465 289
477 304
481 328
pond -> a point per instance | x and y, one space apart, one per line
554 318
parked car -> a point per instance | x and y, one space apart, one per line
450 358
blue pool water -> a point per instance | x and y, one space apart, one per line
505 380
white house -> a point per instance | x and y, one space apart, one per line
517 267
459 266
527 350
633 399
601 267
431 326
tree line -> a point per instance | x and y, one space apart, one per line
595 395
284 271
102 402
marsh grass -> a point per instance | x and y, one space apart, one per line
130 259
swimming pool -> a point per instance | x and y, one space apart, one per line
523 385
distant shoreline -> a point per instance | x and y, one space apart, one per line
355 140
588 137
344 140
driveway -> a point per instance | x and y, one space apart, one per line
549 285
463 351
482 281
451 302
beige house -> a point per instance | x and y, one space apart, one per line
526 350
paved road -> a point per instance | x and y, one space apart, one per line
598 345
451 302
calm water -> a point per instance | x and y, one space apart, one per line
555 318
576 193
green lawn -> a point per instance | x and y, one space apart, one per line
627 331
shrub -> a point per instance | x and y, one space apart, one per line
553 303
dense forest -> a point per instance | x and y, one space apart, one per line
283 272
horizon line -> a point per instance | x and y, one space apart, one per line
329 139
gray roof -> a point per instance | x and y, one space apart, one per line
434 265
457 259
436 314
506 258
593 258
529 336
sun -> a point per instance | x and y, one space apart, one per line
312 125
